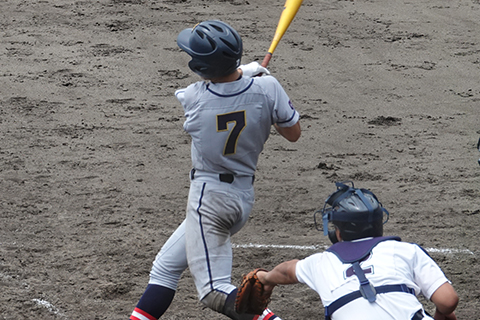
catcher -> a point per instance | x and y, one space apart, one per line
363 275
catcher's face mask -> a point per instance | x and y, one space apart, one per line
350 205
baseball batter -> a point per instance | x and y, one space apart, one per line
229 118
365 275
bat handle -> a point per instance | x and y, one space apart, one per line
266 60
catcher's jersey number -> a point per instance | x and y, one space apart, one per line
240 121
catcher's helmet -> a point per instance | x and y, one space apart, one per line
215 48
357 213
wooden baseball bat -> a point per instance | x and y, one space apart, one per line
290 9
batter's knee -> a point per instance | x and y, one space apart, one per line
224 303
165 275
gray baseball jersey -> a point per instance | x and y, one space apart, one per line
229 124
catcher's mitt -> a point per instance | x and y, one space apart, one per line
251 296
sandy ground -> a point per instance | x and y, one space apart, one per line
94 161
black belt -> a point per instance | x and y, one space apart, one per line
223 177
226 177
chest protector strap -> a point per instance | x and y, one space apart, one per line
354 253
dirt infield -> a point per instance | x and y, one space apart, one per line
94 162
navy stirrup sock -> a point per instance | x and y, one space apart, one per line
156 300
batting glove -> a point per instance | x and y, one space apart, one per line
253 69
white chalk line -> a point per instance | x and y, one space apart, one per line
317 247
43 303
47 305
50 307
275 246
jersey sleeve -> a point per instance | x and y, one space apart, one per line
427 273
305 268
188 96
180 95
284 113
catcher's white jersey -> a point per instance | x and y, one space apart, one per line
230 122
391 262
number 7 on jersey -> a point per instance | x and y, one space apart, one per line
240 122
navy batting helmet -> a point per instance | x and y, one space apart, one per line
215 48
357 213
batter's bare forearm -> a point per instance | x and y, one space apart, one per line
292 133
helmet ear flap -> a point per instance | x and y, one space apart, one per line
198 67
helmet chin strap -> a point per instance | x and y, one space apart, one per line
332 235
325 219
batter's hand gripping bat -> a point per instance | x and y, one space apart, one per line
289 11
